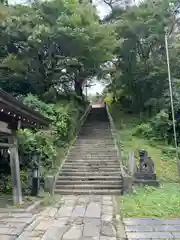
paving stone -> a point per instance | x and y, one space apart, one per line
93 210
107 217
107 238
55 233
176 234
88 238
83 200
91 230
34 224
64 211
21 215
150 221
31 234
139 228
95 198
69 203
166 228
50 212
107 198
61 222
146 235
94 221
107 229
75 232
8 231
43 225
7 237
21 220
78 211
14 225
76 220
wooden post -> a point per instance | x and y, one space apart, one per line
15 171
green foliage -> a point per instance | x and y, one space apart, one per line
139 79
162 154
6 183
41 39
144 130
33 102
64 122
157 128
32 143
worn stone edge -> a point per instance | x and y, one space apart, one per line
124 174
118 220
34 206
82 120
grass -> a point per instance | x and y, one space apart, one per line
163 201
49 200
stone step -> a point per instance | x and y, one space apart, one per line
103 129
88 192
91 134
93 131
89 186
92 157
93 150
89 169
94 140
94 147
88 182
89 162
93 154
84 164
90 178
89 173
92 161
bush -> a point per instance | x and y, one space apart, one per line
161 125
144 129
158 127
65 117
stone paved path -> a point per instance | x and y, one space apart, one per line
83 218
14 222
76 218
148 228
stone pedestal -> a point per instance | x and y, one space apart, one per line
145 173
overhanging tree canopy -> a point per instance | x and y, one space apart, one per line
40 40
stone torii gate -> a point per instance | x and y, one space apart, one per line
14 116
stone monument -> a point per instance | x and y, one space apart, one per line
145 172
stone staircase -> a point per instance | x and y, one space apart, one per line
92 166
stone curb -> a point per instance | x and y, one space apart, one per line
121 233
33 206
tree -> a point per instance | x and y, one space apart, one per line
141 71
41 40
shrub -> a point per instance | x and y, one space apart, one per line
158 127
144 129
65 119
161 125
